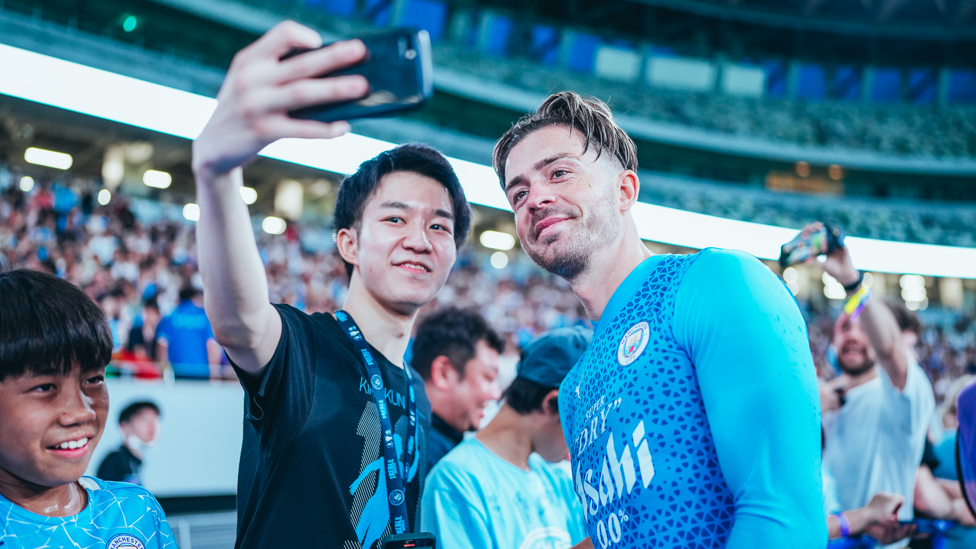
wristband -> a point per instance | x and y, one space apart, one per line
845 527
857 302
851 287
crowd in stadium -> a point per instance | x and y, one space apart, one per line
885 128
903 221
137 270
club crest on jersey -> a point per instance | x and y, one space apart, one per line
633 343
125 541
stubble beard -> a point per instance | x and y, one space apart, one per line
572 260
857 369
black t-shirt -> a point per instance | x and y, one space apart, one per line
121 466
443 439
311 460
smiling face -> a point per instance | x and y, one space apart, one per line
477 388
855 355
51 425
403 248
565 201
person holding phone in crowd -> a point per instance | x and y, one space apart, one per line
693 418
875 440
336 426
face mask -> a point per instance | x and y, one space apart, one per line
138 446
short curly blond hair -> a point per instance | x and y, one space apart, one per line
589 115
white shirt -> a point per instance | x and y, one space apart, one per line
874 443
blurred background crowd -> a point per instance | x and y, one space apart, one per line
861 114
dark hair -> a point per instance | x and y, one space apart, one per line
357 189
590 116
908 321
47 325
132 410
452 332
526 396
188 292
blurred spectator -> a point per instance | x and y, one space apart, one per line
456 352
500 487
139 423
186 341
875 427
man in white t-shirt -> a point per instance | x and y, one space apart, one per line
875 438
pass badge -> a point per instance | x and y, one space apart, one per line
633 343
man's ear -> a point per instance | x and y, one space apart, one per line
347 244
629 185
550 403
443 374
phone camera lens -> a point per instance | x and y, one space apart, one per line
410 54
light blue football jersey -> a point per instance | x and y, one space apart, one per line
118 516
476 500
693 418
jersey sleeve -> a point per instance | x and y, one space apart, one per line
164 534
746 337
163 329
452 511
279 400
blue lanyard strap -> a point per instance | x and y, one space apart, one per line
395 473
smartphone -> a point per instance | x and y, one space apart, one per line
400 71
409 541
930 527
800 248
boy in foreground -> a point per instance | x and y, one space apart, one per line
54 345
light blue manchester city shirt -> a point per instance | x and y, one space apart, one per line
474 499
119 515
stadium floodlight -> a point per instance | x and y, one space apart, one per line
273 225
157 179
104 196
130 23
95 92
50 159
27 183
499 260
249 195
497 240
191 212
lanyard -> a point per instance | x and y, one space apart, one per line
395 474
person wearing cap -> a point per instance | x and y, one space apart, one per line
500 488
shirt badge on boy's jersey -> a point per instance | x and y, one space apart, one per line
125 541
633 343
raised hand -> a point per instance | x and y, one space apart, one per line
260 89
883 522
838 263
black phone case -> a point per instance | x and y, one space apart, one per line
399 69
420 540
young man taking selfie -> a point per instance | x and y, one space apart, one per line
336 426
